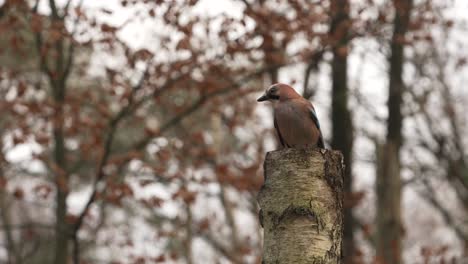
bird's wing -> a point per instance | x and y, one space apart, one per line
279 133
313 115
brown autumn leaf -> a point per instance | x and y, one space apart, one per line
461 62
209 152
204 224
18 193
184 43
3 183
151 131
198 138
79 12
126 189
143 54
114 199
353 199
187 196
160 258
163 155
192 2
223 175
401 39
222 169
106 28
29 233
173 255
242 183
244 250
36 23
139 260
55 34
367 230
104 110
449 23
153 202
71 218
129 243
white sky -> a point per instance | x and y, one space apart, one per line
368 75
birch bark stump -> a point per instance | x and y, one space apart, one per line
301 205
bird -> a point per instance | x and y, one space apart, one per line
295 119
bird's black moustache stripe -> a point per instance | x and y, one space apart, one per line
274 97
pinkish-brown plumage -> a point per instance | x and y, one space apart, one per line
295 119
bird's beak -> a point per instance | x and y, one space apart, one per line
262 98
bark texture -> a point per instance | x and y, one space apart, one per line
302 206
388 189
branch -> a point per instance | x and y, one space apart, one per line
229 214
67 6
100 173
448 219
43 65
454 161
140 145
220 248
201 101
247 4
188 240
363 226
113 124
36 5
53 9
155 217
71 46
32 251
312 65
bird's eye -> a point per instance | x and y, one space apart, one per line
273 89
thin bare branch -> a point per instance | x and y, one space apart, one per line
220 248
67 7
71 45
200 102
53 9
448 219
312 65
112 127
36 5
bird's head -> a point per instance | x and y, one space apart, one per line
278 92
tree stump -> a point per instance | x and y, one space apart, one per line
301 205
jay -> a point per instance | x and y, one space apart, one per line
295 120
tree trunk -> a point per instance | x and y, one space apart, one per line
56 64
342 137
302 203
388 220
61 226
62 230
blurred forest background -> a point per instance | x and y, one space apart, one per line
130 132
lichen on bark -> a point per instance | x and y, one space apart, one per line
302 203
